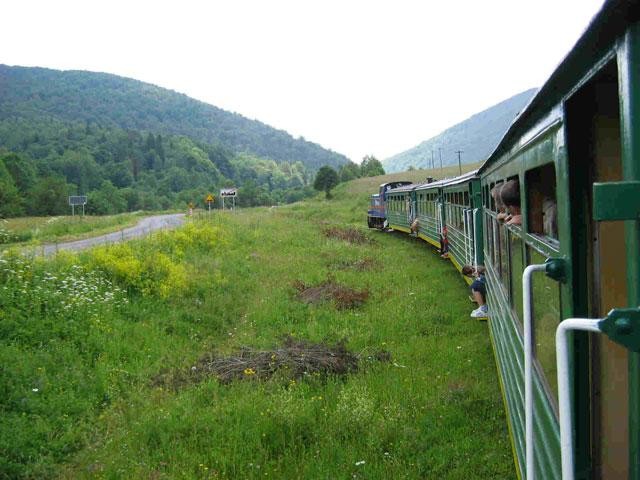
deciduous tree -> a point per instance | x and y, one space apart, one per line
326 179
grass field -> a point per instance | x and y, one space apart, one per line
104 356
62 228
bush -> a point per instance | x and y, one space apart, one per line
140 269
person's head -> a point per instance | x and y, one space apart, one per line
495 193
510 194
468 270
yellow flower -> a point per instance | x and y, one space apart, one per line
249 371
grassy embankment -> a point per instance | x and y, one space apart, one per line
36 230
97 380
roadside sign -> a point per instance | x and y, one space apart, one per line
77 200
228 192
210 198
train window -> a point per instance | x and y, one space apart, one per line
503 254
511 198
488 235
517 267
491 200
546 317
541 201
465 199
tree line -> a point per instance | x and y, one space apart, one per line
42 163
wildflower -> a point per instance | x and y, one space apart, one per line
249 371
361 462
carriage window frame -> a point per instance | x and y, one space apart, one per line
547 245
514 238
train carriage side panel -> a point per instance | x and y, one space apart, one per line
574 151
462 204
399 208
429 213
376 215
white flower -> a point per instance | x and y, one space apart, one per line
361 462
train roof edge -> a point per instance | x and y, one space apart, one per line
439 183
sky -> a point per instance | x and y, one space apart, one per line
358 77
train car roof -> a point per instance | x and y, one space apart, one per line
439 183
465 177
407 182
459 179
403 188
605 28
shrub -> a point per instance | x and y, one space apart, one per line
193 236
140 269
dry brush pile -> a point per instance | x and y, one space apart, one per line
293 360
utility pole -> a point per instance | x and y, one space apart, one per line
459 161
433 163
440 153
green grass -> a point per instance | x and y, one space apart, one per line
63 228
433 411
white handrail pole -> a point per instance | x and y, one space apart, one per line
528 367
475 240
564 388
467 237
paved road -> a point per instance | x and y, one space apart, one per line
144 227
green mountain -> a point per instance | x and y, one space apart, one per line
129 145
475 137
111 101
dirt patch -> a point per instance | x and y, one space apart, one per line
342 296
293 360
348 234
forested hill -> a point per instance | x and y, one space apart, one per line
476 137
109 101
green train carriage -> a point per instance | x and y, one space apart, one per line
450 207
462 204
400 207
566 341
430 212
572 393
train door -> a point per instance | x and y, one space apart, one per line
600 276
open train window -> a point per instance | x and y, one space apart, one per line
541 201
511 196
